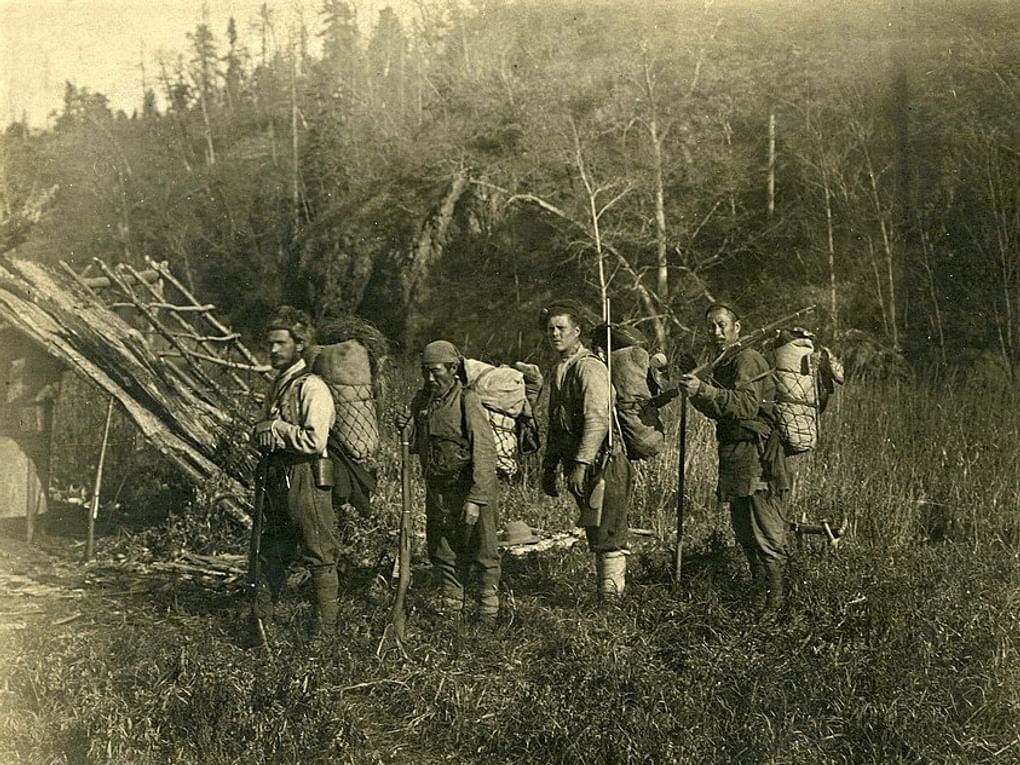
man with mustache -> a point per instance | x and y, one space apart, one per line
299 521
452 437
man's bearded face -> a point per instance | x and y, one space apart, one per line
283 349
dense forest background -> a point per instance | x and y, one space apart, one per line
450 172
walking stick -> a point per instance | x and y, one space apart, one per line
680 489
398 617
255 546
90 542
592 514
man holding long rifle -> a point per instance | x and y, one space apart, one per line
752 468
258 636
580 418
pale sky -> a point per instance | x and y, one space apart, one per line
100 44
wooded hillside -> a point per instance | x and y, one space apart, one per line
463 165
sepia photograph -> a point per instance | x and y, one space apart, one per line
580 382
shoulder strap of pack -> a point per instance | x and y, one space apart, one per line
297 382
575 368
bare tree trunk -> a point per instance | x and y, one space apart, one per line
401 96
178 121
5 200
772 165
504 75
890 268
878 286
592 211
728 136
933 293
887 246
832 256
210 151
420 85
1005 239
465 50
661 259
295 155
272 141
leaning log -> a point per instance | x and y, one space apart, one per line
70 323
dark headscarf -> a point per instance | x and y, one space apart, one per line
441 352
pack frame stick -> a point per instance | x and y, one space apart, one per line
607 311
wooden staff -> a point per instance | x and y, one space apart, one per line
90 544
398 617
680 490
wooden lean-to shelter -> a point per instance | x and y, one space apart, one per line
183 377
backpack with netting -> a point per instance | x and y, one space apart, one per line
350 361
504 394
805 378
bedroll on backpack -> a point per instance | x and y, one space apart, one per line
503 394
347 370
641 427
796 409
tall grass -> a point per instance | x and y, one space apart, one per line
899 646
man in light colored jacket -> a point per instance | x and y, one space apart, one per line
299 521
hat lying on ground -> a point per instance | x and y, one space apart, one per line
518 533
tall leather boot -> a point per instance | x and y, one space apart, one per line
775 591
612 574
326 583
759 577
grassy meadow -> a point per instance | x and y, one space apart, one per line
901 645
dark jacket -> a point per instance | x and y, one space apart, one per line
453 438
740 398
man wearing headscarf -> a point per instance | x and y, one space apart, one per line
453 439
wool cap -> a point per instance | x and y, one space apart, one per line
566 307
440 352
